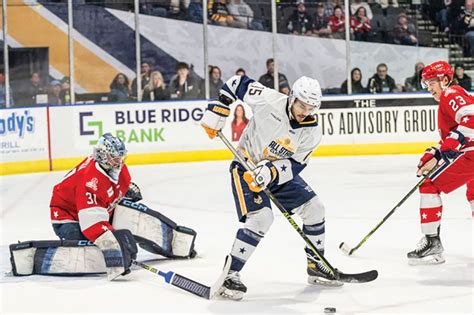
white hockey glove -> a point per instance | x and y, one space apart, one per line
214 118
261 176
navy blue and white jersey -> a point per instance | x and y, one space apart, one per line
271 134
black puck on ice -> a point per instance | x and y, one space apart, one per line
329 310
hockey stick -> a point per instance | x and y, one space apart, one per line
187 284
346 249
354 278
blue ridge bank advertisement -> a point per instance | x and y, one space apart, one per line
23 134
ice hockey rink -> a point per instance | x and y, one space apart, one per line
357 192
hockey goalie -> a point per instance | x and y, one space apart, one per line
96 214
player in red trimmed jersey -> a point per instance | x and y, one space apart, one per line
454 154
83 203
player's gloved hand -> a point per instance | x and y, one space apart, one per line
119 249
133 193
428 161
261 176
214 118
451 146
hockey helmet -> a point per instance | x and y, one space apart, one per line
437 69
308 91
110 152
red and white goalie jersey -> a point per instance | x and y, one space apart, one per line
456 112
88 195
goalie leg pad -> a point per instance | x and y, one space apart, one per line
58 258
153 231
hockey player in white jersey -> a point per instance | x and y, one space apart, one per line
279 140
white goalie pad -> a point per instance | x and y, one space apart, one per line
56 258
153 231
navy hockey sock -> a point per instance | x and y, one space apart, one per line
316 234
245 243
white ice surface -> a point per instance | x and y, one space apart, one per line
357 192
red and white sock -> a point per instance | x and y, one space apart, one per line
431 209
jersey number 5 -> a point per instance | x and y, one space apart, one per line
453 103
91 198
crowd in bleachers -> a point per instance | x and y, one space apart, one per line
186 85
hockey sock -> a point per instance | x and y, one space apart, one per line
316 233
431 208
245 243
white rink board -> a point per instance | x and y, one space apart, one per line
174 127
23 134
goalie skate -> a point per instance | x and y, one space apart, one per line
429 251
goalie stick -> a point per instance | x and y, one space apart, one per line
187 284
344 277
346 249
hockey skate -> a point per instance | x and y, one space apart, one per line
319 274
233 288
429 251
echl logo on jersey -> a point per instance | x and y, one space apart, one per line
279 149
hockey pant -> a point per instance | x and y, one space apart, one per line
446 179
153 232
254 210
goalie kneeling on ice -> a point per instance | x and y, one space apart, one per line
152 230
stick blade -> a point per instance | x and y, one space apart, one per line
220 281
346 249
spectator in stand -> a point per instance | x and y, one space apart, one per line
120 89
240 72
403 31
386 3
243 13
439 11
360 25
215 82
357 87
184 86
31 90
336 23
239 122
299 23
330 5
155 90
54 97
381 82
220 14
65 93
413 84
321 22
463 79
268 81
3 93
361 4
195 11
145 70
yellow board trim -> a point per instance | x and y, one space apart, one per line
9 168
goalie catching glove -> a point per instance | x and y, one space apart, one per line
214 118
264 174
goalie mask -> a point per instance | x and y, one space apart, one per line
110 153
308 92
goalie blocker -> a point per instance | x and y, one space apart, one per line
152 231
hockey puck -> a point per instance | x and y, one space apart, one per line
329 310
